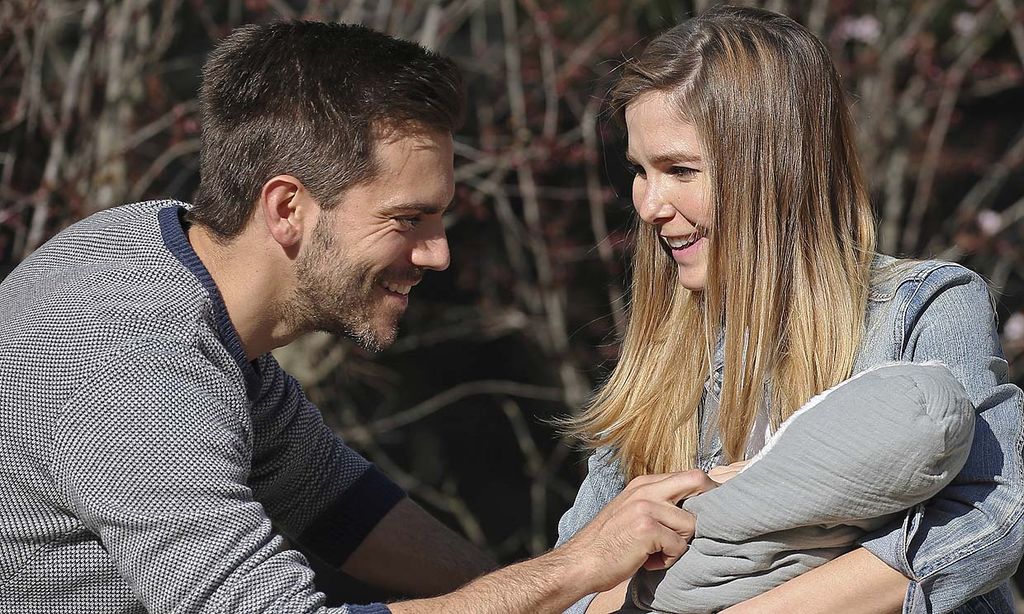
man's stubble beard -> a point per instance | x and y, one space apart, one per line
333 294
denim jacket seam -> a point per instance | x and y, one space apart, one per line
911 524
975 605
910 601
900 324
919 277
1014 514
1012 517
995 537
984 600
917 274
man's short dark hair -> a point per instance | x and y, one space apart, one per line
309 99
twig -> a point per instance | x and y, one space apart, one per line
971 53
556 338
598 222
548 73
1010 14
994 177
448 397
446 500
179 149
431 24
40 214
535 470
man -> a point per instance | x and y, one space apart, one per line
153 450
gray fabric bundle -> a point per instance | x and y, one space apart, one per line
844 464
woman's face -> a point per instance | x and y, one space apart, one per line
670 186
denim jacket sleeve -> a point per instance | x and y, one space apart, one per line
969 538
604 480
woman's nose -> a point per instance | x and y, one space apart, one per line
653 208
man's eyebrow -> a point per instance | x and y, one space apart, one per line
669 157
421 208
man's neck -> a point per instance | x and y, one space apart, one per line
251 285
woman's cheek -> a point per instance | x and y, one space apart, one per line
639 192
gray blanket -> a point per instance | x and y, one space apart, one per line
846 463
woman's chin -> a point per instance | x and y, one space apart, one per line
692 278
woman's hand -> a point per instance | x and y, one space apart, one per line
724 473
610 601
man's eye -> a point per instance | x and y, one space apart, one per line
408 222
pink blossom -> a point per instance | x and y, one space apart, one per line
1013 331
964 23
989 222
865 29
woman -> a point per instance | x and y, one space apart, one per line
756 286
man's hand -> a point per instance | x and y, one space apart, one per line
641 527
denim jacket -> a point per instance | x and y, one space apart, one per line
958 548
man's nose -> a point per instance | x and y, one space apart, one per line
432 253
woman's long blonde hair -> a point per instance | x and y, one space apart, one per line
791 243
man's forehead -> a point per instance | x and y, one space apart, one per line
419 135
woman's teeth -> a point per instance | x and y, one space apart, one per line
681 242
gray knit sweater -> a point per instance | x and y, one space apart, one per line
145 464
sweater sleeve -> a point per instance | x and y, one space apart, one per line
153 455
315 488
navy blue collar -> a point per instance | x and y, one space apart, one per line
172 228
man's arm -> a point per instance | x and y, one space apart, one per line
411 553
641 527
152 460
854 583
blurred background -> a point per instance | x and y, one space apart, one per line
97 108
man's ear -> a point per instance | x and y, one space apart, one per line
287 209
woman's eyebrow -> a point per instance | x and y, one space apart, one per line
676 156
669 157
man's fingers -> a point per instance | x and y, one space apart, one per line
723 473
649 479
662 530
644 480
643 527
670 546
671 517
658 561
674 487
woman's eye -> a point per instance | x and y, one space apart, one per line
635 169
683 171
